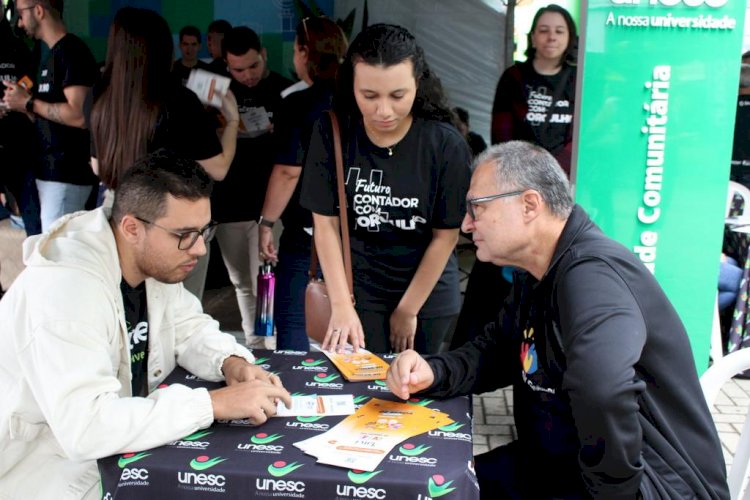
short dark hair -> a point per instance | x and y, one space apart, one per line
219 26
190 31
54 6
144 186
239 41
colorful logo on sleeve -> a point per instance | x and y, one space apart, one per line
129 458
528 352
411 450
437 487
263 438
280 468
361 477
204 462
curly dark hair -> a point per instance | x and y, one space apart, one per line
388 45
570 56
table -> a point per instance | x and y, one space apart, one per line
232 459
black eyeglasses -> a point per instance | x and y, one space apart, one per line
188 238
473 202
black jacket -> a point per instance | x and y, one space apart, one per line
606 395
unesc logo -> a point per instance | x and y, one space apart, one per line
436 487
448 432
133 477
261 443
199 481
192 441
308 423
410 454
323 381
311 365
281 487
379 386
359 477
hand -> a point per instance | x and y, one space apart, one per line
229 108
403 330
344 327
409 373
254 399
15 96
266 244
237 370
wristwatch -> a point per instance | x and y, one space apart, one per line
30 105
266 222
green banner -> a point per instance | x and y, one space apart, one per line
659 81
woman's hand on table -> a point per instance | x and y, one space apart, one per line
403 329
409 373
344 328
253 399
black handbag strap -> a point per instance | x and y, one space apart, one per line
343 215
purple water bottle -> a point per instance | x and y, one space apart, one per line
264 304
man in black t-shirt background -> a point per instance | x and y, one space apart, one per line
238 199
64 178
217 30
190 45
740 171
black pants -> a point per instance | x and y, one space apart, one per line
430 332
507 473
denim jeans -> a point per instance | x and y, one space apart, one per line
59 198
289 300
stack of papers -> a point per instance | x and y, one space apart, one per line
358 366
363 439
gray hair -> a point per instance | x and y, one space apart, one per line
521 165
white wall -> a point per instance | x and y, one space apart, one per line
463 42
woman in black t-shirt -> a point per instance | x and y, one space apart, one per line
535 99
319 46
407 173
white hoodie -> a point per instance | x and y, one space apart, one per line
65 391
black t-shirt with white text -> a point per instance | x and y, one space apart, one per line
182 72
394 203
136 320
65 150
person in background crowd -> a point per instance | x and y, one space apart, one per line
190 46
407 171
746 57
606 397
237 201
137 94
17 136
740 171
319 46
81 371
535 99
214 39
64 180
476 142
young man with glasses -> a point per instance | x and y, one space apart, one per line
96 322
606 398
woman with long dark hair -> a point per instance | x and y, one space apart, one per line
139 107
407 173
319 48
535 99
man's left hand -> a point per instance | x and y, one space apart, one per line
238 370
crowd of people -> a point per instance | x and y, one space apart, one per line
607 399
